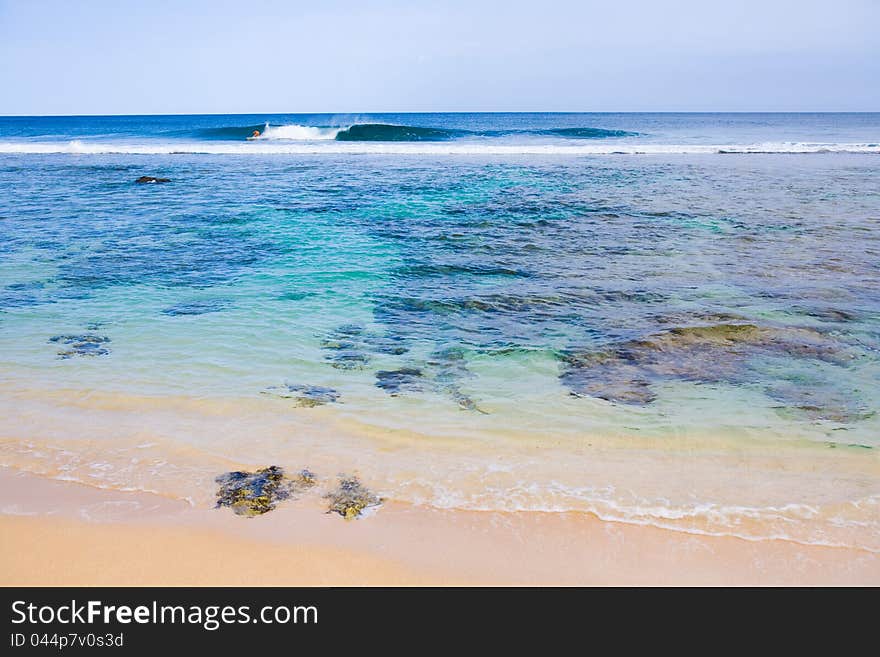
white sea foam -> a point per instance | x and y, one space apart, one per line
327 146
789 522
298 133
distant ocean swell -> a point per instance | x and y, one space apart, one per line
389 132
404 139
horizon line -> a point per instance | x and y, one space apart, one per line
338 113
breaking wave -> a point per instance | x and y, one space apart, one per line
299 133
355 132
390 132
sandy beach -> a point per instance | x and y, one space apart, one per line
60 533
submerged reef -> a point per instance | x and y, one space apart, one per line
450 368
350 347
394 382
728 352
350 498
345 348
305 395
86 344
255 493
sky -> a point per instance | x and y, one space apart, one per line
276 56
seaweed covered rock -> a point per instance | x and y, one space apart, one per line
145 180
350 498
724 352
305 395
86 344
305 479
253 493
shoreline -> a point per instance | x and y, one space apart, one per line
64 533
800 489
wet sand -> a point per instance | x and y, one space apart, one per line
61 533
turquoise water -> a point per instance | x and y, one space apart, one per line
543 290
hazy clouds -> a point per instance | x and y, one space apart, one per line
275 56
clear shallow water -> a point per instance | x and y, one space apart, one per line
632 335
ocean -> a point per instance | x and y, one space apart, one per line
661 319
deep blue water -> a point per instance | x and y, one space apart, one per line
467 132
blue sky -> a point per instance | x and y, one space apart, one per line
156 56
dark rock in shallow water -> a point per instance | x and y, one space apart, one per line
703 354
678 318
828 314
86 344
350 346
335 344
392 345
406 379
450 368
196 307
348 360
611 383
350 498
150 179
255 493
305 395
350 330
343 346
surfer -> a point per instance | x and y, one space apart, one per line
255 135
